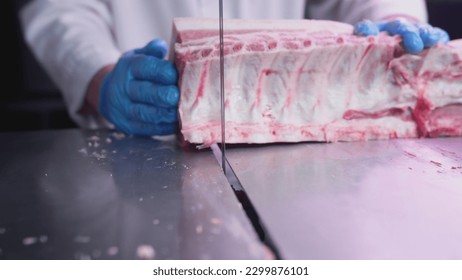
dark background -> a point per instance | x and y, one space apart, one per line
34 103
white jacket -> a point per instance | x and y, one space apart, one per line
73 39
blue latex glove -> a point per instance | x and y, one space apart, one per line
416 36
140 95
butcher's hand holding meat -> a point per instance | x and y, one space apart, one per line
140 95
416 36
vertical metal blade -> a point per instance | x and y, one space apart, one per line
222 90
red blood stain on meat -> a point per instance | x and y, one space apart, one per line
361 60
436 163
272 45
291 45
268 72
410 154
355 114
420 114
200 91
237 47
255 47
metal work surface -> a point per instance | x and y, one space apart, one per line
73 194
399 199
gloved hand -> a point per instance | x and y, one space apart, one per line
140 95
416 36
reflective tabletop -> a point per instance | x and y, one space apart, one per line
73 194
399 199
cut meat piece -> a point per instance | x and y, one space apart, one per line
302 80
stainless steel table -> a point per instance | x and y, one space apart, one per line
399 199
72 194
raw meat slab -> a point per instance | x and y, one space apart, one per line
312 80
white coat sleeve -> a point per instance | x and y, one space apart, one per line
352 11
72 39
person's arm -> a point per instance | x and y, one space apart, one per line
72 40
91 102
